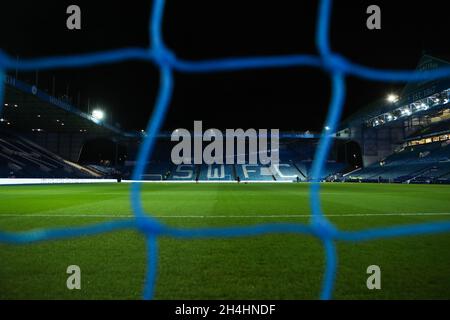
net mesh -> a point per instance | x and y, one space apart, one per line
319 226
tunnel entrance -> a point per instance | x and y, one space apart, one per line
103 151
350 152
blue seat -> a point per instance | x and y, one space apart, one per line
216 172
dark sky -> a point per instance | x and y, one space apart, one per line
289 99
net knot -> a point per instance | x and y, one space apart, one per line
334 63
163 56
323 228
148 225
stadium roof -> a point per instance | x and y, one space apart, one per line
28 108
411 92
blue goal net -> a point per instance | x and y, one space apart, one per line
338 68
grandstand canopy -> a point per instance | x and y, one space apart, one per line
411 93
28 108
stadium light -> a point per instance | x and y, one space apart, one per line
327 128
423 106
406 112
392 98
98 114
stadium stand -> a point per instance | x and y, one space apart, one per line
295 164
104 171
286 172
404 140
158 171
412 164
421 126
184 172
21 158
221 172
331 168
440 127
256 172
43 136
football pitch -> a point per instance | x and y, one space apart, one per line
276 266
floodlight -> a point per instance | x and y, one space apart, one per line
98 114
392 98
406 112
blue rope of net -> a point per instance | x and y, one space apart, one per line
319 226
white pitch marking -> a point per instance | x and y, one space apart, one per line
399 214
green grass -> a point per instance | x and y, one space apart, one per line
264 267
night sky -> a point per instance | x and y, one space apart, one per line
288 99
